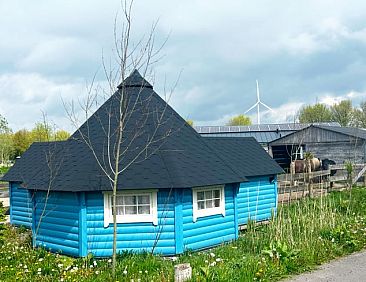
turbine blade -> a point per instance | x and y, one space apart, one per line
251 108
269 108
258 100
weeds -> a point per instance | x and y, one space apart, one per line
301 236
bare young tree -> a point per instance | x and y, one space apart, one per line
136 127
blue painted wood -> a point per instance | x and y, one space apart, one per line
257 199
178 213
236 214
20 205
58 218
83 237
136 237
211 230
11 206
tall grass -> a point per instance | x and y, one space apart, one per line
300 236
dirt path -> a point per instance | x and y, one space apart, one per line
348 269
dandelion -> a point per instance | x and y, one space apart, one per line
110 260
333 240
94 263
206 261
140 271
125 272
218 260
146 271
213 263
97 272
39 269
212 255
41 259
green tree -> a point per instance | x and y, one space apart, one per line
359 116
22 139
6 144
61 135
42 132
190 122
315 113
343 112
239 120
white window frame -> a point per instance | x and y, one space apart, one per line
208 211
152 217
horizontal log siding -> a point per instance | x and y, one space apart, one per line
256 199
20 205
211 230
59 223
136 237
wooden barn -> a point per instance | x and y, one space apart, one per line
336 143
182 192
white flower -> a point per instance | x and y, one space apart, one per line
333 240
206 261
39 269
213 263
41 259
140 271
60 265
94 263
146 271
212 255
218 259
125 272
97 272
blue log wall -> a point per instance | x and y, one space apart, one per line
257 199
20 205
211 230
56 222
135 237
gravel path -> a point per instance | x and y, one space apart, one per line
347 269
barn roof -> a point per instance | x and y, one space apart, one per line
246 154
161 149
263 133
339 133
350 131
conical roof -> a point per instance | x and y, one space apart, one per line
158 149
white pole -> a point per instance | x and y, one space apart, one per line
258 101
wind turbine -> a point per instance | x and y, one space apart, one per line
259 102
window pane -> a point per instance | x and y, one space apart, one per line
208 194
144 209
217 203
201 205
200 195
130 200
120 210
144 199
131 209
216 193
119 200
209 204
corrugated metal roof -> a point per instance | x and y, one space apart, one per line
259 127
262 137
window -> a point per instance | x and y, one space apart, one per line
208 201
132 206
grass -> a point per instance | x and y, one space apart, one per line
301 236
4 169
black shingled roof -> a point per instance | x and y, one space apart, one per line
246 155
178 156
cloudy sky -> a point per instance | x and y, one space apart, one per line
300 51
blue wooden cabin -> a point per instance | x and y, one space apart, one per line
178 191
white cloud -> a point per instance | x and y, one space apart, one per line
25 96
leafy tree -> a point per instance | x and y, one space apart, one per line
359 116
342 112
6 145
190 122
239 120
61 135
42 132
22 139
315 113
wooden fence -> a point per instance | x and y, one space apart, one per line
293 186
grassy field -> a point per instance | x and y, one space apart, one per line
301 236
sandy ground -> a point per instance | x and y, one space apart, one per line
351 268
